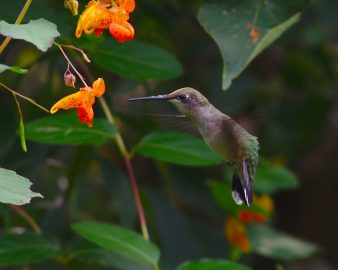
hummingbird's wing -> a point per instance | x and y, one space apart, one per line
241 184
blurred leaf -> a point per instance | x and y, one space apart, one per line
268 242
65 128
119 240
26 248
271 178
177 148
242 29
221 193
137 60
212 264
15 189
279 267
105 258
39 32
15 69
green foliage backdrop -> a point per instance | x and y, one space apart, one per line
271 63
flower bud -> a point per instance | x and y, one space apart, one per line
70 79
72 5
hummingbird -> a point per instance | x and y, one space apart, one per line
222 134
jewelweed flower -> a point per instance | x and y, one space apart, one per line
235 232
83 100
235 227
112 15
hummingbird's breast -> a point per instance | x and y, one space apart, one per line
217 131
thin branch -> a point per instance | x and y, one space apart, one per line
18 21
84 55
27 217
71 64
24 97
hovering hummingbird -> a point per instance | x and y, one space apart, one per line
223 135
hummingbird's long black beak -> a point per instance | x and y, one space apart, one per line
158 97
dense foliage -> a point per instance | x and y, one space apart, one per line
110 184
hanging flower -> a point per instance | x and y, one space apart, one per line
83 100
235 227
100 15
236 235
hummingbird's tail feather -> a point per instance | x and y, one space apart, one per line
241 186
237 190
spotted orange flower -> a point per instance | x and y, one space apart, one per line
235 232
83 100
112 15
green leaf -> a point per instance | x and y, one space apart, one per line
15 189
39 32
177 148
16 249
15 69
279 267
268 242
230 25
105 258
119 240
65 128
271 178
212 264
137 60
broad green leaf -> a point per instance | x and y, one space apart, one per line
16 249
242 29
177 148
268 242
15 189
119 240
212 264
105 258
137 60
65 128
221 193
13 69
271 178
39 32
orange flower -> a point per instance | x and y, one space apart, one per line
236 235
104 15
83 100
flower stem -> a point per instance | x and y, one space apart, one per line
24 97
70 63
18 21
27 217
133 183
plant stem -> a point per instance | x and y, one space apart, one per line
127 159
133 183
71 64
18 21
24 97
27 217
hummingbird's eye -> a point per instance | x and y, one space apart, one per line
182 97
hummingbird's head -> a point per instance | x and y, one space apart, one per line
187 100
